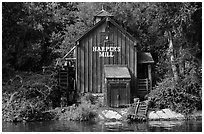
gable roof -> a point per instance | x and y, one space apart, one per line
114 23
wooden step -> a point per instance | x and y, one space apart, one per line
63 76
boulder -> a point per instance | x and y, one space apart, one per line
162 115
153 115
165 114
110 114
179 116
169 113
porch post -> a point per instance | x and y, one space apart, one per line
150 76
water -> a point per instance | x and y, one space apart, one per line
66 126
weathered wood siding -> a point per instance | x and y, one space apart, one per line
90 67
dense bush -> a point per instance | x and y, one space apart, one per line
22 109
86 110
184 97
32 97
83 112
27 97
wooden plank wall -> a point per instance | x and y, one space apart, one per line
90 67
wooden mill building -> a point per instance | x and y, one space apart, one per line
108 63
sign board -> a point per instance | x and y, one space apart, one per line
107 51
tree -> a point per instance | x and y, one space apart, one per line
176 20
32 32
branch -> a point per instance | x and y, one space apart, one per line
12 97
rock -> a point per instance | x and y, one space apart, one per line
179 116
162 115
169 113
165 114
153 116
110 114
173 115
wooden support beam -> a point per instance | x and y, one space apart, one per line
150 76
70 58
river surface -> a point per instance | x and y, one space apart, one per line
66 126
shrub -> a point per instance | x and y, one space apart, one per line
27 98
88 98
161 94
85 111
183 97
82 112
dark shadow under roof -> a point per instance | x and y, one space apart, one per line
144 57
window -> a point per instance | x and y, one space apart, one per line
105 37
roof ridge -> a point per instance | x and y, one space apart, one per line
104 12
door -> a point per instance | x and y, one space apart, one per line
119 93
114 95
123 94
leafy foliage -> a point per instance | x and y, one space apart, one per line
85 111
31 33
185 97
28 96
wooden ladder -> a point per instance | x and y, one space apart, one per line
142 109
139 111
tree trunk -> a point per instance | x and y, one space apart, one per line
182 62
172 58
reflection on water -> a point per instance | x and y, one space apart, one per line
66 126
166 124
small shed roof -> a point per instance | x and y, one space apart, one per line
115 71
144 57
